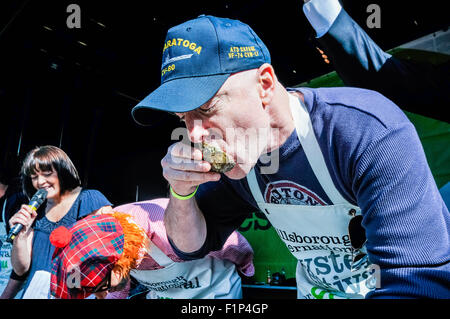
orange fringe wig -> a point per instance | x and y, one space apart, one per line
135 241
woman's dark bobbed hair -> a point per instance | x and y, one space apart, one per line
48 158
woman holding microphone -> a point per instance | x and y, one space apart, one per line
50 168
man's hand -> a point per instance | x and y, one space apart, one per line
184 168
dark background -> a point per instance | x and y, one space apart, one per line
74 88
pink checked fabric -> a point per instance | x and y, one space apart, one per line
150 214
96 244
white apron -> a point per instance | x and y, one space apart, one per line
39 287
206 278
317 236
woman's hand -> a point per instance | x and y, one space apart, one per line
22 245
25 216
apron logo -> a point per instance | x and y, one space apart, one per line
290 193
258 221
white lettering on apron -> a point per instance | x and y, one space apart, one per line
317 235
206 278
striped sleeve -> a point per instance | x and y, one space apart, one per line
406 221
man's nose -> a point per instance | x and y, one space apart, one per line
196 129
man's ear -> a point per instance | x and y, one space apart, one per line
266 83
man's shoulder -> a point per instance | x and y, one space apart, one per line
347 121
348 104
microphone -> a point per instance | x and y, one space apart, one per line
36 201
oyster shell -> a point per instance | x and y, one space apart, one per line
219 160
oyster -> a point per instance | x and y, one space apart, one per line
219 160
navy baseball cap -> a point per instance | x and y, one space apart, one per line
198 56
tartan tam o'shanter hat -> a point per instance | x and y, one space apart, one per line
85 255
197 58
